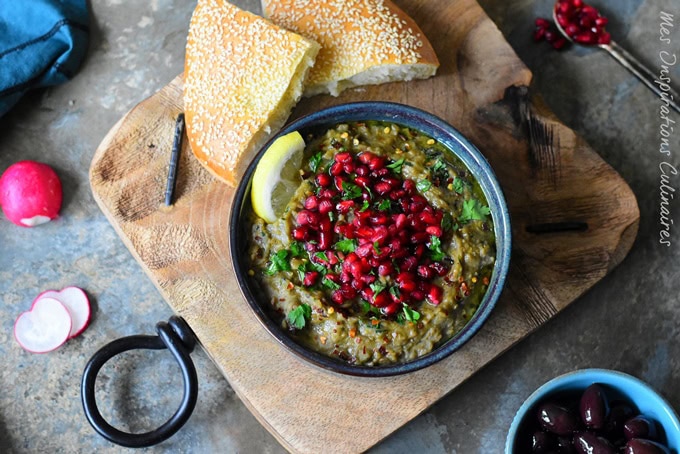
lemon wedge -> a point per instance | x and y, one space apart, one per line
277 176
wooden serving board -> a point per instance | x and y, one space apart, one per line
549 175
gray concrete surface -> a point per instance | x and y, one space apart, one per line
629 321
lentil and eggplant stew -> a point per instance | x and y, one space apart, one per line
384 252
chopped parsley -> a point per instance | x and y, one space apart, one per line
423 185
350 191
473 210
459 185
435 247
365 206
367 307
410 315
377 287
297 249
447 222
384 205
299 316
346 245
321 256
329 284
438 166
315 162
396 165
279 262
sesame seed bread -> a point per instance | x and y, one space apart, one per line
363 42
242 77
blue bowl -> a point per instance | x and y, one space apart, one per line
439 130
617 386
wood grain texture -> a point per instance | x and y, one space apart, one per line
550 176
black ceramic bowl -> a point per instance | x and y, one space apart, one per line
438 130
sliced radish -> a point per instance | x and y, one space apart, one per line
44 328
76 302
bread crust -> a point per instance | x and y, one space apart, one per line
362 42
242 77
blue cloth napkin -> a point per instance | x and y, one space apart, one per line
42 43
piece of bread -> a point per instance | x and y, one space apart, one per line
363 42
242 76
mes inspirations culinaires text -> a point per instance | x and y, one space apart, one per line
668 59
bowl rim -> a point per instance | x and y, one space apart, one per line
439 130
597 377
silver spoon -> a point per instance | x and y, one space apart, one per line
629 62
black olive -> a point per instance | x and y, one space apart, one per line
594 407
590 443
640 446
640 427
557 419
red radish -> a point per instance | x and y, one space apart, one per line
30 193
76 302
44 328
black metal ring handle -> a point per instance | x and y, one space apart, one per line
176 336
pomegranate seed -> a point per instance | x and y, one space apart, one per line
362 181
577 3
382 187
419 237
328 193
601 21
301 233
361 170
325 206
385 269
380 219
409 263
550 36
380 233
366 157
310 247
428 218
338 182
343 157
336 169
333 277
325 225
364 250
405 276
348 167
542 23
310 278
368 278
417 295
562 20
356 270
559 43
397 194
435 295
391 309
439 268
434 230
344 206
407 286
312 202
345 277
376 163
419 250
323 180
425 272
382 299
409 186
337 297
571 29
539 34
382 172
605 38
399 220
306 217
348 291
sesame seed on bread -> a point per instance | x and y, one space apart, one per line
363 42
242 77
